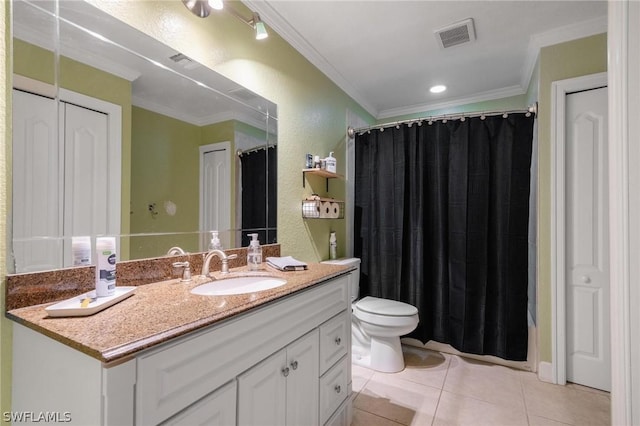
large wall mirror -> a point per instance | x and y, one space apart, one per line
117 134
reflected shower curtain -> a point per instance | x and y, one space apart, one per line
441 220
259 194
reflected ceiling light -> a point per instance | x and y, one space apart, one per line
202 8
439 88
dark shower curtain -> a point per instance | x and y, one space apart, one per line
441 219
259 195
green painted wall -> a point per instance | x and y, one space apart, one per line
165 154
558 62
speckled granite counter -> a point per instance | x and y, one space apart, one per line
159 312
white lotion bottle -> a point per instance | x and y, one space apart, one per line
106 266
331 163
333 245
254 253
81 251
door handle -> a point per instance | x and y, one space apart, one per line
285 371
294 365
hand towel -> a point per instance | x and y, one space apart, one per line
286 263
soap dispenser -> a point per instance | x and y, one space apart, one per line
215 244
330 163
254 253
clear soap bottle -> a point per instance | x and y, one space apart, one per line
254 253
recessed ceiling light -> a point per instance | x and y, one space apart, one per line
438 88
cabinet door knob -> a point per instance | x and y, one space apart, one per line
338 340
285 371
337 388
294 365
586 279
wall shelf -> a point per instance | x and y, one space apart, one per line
320 172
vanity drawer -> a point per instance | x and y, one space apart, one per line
334 388
335 339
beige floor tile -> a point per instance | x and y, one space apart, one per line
491 383
541 421
461 410
397 399
424 366
565 404
360 376
364 418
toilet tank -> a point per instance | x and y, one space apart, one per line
354 276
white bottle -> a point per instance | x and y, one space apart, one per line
254 253
106 266
333 245
215 244
330 163
81 251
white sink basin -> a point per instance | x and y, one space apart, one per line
239 285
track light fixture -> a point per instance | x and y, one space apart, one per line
203 8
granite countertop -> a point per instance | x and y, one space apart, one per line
161 311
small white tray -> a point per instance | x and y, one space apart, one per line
73 308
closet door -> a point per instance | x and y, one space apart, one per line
37 191
86 170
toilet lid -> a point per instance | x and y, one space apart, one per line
377 306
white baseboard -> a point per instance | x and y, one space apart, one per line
545 372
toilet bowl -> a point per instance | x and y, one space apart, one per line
376 326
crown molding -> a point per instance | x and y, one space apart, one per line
299 43
556 36
478 97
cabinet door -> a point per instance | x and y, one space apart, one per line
262 392
303 382
215 409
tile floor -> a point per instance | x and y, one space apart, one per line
443 389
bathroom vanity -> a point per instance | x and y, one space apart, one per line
166 356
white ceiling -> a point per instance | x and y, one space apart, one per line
385 56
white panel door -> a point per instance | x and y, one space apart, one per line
215 192
587 269
37 192
86 180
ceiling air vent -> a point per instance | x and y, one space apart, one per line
455 34
184 60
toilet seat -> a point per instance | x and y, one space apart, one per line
385 312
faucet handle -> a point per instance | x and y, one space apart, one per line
186 273
232 256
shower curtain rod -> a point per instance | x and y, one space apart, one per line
532 109
254 149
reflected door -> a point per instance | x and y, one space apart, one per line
587 269
215 193
61 184
37 190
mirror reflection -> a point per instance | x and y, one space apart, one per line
117 134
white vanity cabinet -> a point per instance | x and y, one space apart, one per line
280 363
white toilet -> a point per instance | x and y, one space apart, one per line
377 325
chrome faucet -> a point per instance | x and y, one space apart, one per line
175 251
223 258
